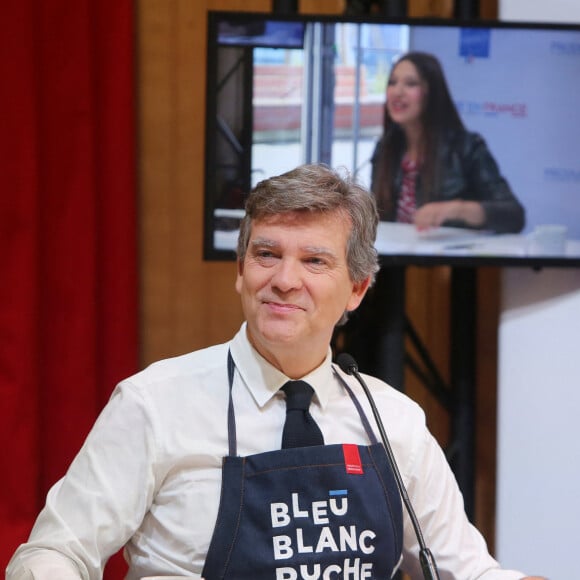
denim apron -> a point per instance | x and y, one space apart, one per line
325 512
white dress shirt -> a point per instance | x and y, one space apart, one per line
148 475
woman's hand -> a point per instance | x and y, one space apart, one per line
435 213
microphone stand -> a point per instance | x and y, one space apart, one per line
426 558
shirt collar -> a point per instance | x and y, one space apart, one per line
264 380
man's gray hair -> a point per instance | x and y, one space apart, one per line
318 188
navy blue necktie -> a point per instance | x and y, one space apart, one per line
300 429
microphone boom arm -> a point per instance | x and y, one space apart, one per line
426 558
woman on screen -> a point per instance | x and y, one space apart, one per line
427 168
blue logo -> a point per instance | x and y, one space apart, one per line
565 48
474 42
562 174
492 108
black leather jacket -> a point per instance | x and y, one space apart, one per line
469 172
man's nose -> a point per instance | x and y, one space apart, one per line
288 275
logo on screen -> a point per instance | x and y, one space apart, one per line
474 42
562 174
492 109
565 48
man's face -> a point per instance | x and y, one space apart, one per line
295 285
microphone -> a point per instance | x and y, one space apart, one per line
348 365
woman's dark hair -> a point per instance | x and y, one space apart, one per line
439 118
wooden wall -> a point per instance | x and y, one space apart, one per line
188 303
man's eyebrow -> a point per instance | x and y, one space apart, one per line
319 251
264 243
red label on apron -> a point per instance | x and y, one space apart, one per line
352 460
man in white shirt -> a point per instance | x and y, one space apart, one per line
184 466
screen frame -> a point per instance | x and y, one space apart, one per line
211 253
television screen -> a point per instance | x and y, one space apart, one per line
283 90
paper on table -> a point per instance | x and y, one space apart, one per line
398 238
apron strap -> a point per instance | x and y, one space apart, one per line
370 433
232 438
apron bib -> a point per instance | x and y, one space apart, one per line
325 512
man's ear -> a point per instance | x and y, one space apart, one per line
359 289
239 277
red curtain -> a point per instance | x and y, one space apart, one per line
68 282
